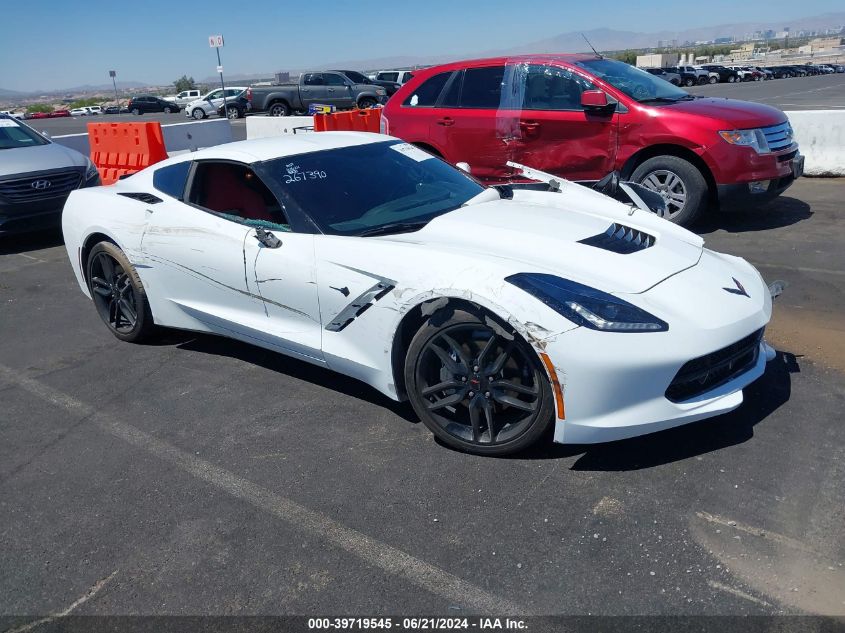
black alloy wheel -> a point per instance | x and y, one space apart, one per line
118 294
478 388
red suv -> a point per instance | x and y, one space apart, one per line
582 116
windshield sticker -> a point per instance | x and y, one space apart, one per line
295 175
411 152
8 123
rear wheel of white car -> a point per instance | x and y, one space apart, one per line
118 293
678 182
477 385
198 114
279 109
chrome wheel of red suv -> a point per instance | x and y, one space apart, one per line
670 187
678 182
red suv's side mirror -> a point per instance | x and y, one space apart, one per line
594 99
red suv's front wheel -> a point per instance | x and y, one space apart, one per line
679 183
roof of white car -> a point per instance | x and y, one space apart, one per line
261 149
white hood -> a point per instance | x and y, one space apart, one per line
541 232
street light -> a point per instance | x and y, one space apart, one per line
113 74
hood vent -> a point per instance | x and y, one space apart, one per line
621 239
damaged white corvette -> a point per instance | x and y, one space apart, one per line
497 311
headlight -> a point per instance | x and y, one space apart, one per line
587 306
90 170
748 138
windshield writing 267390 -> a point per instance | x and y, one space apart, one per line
294 175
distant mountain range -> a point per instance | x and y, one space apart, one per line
121 85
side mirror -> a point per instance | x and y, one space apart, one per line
463 167
594 99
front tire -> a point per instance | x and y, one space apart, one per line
198 114
681 185
689 82
136 112
476 384
167 110
118 294
713 80
366 103
233 113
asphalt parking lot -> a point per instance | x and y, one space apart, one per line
198 475
819 92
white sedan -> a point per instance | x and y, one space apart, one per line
497 311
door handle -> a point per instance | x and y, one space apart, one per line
446 121
266 238
331 89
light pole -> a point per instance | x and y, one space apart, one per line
113 74
216 42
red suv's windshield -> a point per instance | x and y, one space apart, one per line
636 83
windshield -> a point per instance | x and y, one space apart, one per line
357 77
636 83
363 189
14 134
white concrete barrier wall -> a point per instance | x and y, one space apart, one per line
820 135
178 137
821 139
265 126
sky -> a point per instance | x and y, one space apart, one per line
67 44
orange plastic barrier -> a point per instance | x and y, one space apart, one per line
352 120
124 148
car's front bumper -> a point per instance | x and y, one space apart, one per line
615 385
35 215
746 179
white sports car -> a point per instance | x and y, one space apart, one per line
497 311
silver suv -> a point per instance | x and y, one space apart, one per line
208 104
36 177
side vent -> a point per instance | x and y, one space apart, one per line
621 239
147 198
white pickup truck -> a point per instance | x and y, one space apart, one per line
185 97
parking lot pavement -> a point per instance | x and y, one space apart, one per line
79 125
197 475
819 92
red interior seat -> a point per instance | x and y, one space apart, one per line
227 190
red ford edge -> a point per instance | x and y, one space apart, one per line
583 116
